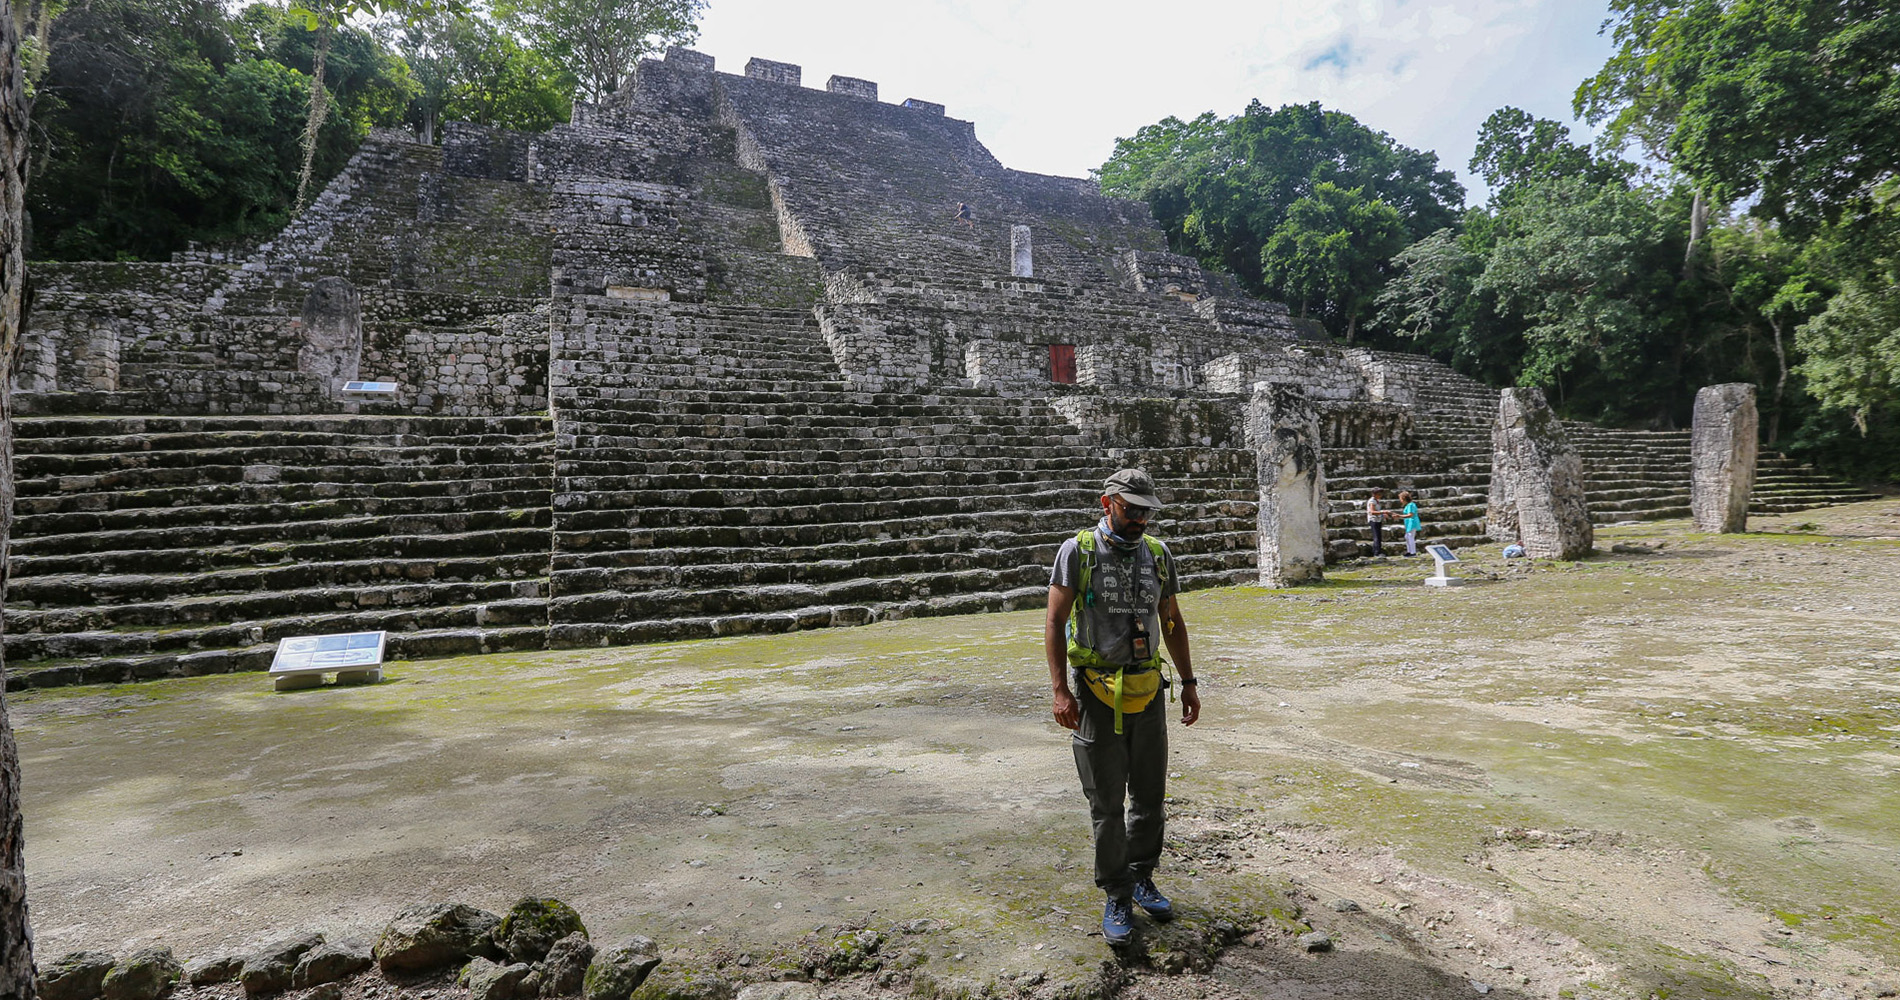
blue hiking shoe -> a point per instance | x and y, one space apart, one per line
1150 899
1118 921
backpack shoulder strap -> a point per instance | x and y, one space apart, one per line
1085 548
1160 553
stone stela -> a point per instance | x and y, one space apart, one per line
715 357
1722 453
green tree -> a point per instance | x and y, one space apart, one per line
324 19
1770 290
1853 350
600 41
1584 266
1433 301
466 69
1222 187
1788 101
1516 148
154 127
1332 252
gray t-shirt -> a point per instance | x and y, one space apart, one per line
1125 585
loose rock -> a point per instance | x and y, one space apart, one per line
565 970
533 925
268 969
617 972
435 936
1344 906
488 981
76 975
1316 941
145 975
212 971
328 963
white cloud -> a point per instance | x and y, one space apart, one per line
1051 84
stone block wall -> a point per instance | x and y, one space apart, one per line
496 154
773 72
852 87
1322 374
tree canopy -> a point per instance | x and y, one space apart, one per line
1224 187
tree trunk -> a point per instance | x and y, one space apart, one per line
16 936
1698 228
1781 382
319 109
428 126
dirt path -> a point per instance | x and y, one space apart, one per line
1668 770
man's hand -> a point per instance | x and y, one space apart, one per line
1190 704
1068 711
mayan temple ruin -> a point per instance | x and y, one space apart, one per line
719 357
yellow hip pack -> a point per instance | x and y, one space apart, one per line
1122 690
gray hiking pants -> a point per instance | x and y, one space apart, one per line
1131 768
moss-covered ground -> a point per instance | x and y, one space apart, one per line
1668 769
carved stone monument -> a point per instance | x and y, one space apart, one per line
1722 457
1536 481
1022 258
333 332
1283 430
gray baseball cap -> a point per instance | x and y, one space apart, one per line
1133 486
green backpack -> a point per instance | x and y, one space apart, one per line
1129 689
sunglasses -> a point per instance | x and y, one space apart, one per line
1135 512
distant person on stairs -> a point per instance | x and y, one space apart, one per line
1375 519
1111 609
964 216
1413 525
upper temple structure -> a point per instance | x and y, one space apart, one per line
727 354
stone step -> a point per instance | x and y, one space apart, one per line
525 491
212 557
357 476
45 466
155 540
265 605
1239 517
85 590
227 516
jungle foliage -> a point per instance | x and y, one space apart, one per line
1739 220
157 124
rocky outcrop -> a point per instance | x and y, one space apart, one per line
1722 453
1537 493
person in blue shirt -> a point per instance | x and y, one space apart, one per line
1412 523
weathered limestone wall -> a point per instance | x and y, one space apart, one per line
1537 495
1115 422
1722 452
1283 429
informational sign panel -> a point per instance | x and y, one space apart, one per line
1442 553
311 654
370 388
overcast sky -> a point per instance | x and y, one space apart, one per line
1051 84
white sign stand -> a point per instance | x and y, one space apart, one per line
302 660
1443 556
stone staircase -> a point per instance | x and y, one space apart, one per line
745 486
163 546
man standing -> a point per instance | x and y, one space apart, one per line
1111 607
1375 519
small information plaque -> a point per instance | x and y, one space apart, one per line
302 660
